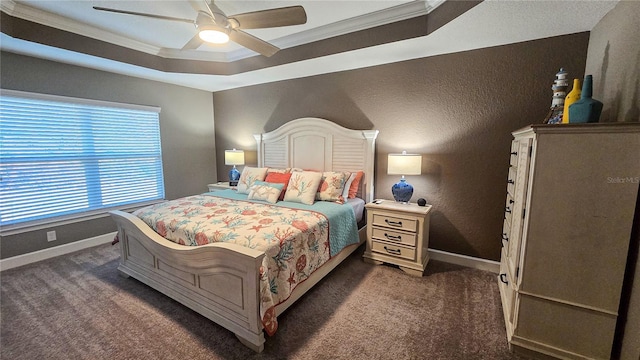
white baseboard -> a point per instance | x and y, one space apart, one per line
464 260
15 261
20 260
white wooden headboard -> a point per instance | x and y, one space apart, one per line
321 145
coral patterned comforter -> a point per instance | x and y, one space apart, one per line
297 239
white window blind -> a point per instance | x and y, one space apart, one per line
62 156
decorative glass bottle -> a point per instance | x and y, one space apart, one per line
572 96
587 109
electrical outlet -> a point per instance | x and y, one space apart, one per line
51 235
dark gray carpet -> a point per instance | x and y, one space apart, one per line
77 307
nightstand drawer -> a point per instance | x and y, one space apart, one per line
395 236
394 250
395 222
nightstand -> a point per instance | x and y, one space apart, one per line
221 185
398 234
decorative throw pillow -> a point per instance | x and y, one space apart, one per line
265 191
280 171
248 177
303 186
347 185
331 186
281 178
355 184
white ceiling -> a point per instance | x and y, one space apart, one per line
491 23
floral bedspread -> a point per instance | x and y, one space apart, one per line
296 241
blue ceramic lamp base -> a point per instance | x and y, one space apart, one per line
402 191
234 176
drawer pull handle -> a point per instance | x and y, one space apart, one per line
511 201
505 237
507 209
514 153
503 278
392 237
393 251
393 223
511 181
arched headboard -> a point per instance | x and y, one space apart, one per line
320 145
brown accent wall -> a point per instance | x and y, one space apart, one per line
614 61
458 110
186 130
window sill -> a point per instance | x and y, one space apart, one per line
69 219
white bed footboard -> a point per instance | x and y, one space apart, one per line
219 281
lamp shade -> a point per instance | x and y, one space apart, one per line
404 164
234 157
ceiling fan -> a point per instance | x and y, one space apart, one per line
214 26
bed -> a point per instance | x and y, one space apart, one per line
221 280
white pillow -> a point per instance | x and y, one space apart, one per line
268 192
303 186
249 176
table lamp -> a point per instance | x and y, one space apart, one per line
234 157
403 164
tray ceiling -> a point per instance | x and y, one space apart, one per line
339 35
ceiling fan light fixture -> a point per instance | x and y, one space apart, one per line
214 34
214 27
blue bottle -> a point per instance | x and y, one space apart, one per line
587 109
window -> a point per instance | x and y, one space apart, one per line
64 157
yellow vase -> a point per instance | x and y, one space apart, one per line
572 96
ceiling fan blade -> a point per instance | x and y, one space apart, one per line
153 16
215 12
198 5
211 5
253 43
291 15
193 44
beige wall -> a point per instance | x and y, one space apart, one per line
458 110
186 130
614 61
613 58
